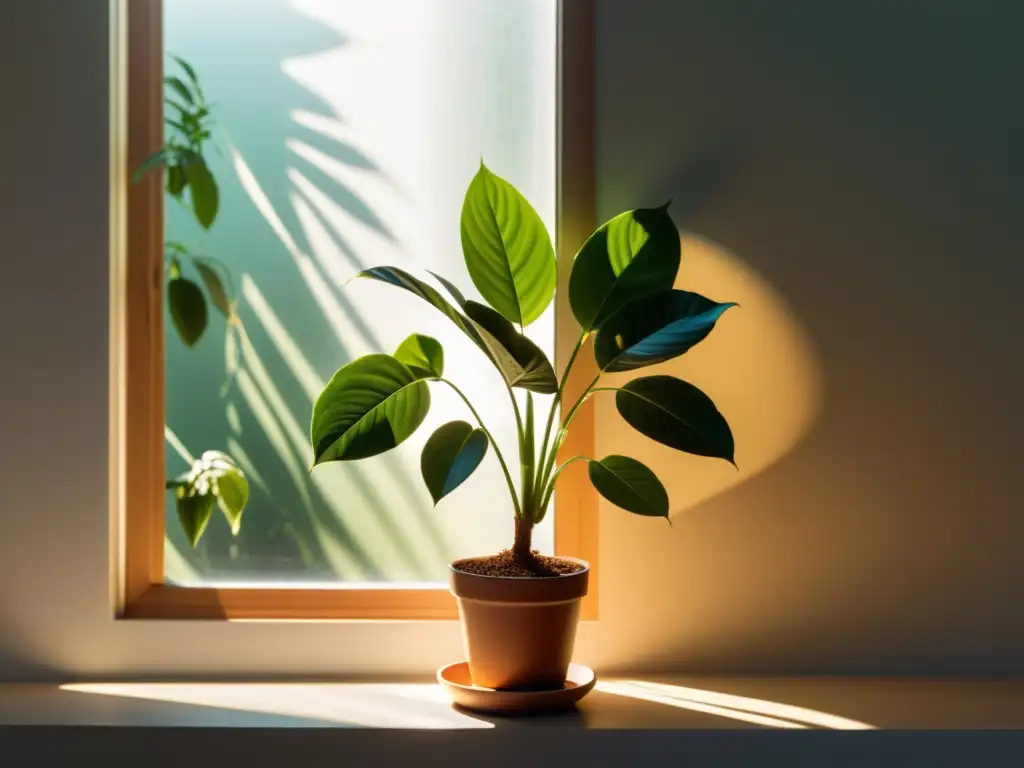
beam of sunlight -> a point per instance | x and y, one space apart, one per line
336 317
339 559
347 704
374 531
176 568
331 127
238 453
290 352
179 447
743 708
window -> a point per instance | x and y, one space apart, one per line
348 132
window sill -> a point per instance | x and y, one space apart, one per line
637 718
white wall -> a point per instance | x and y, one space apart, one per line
853 171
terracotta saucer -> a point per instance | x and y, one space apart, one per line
455 679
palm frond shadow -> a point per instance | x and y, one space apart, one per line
296 527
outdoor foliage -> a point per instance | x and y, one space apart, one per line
215 479
621 294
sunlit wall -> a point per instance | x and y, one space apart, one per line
348 132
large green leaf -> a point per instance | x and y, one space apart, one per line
402 279
423 355
450 456
188 309
507 248
628 484
506 363
676 414
634 255
194 511
368 407
522 363
654 329
203 188
209 270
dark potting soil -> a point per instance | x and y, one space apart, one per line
504 564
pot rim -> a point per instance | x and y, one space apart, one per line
559 588
555 577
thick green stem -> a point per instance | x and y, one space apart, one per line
549 464
550 489
497 451
547 458
527 459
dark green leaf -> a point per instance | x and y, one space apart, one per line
676 414
634 255
175 180
178 86
510 370
628 484
194 512
450 456
507 248
522 363
162 157
203 187
453 289
232 495
208 271
654 329
188 309
369 406
423 355
402 279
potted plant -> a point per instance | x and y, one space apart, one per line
519 608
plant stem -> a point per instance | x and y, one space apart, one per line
497 451
550 489
522 546
545 459
562 430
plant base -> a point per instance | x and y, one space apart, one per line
455 679
518 631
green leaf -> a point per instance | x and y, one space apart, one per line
207 269
194 510
507 249
628 484
654 329
161 157
176 181
423 355
402 279
677 414
368 407
450 456
205 196
634 255
522 363
232 495
178 86
188 309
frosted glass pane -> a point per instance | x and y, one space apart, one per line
349 130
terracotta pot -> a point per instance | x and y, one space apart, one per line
519 632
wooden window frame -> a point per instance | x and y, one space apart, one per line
138 350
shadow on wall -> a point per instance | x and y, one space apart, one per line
292 183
